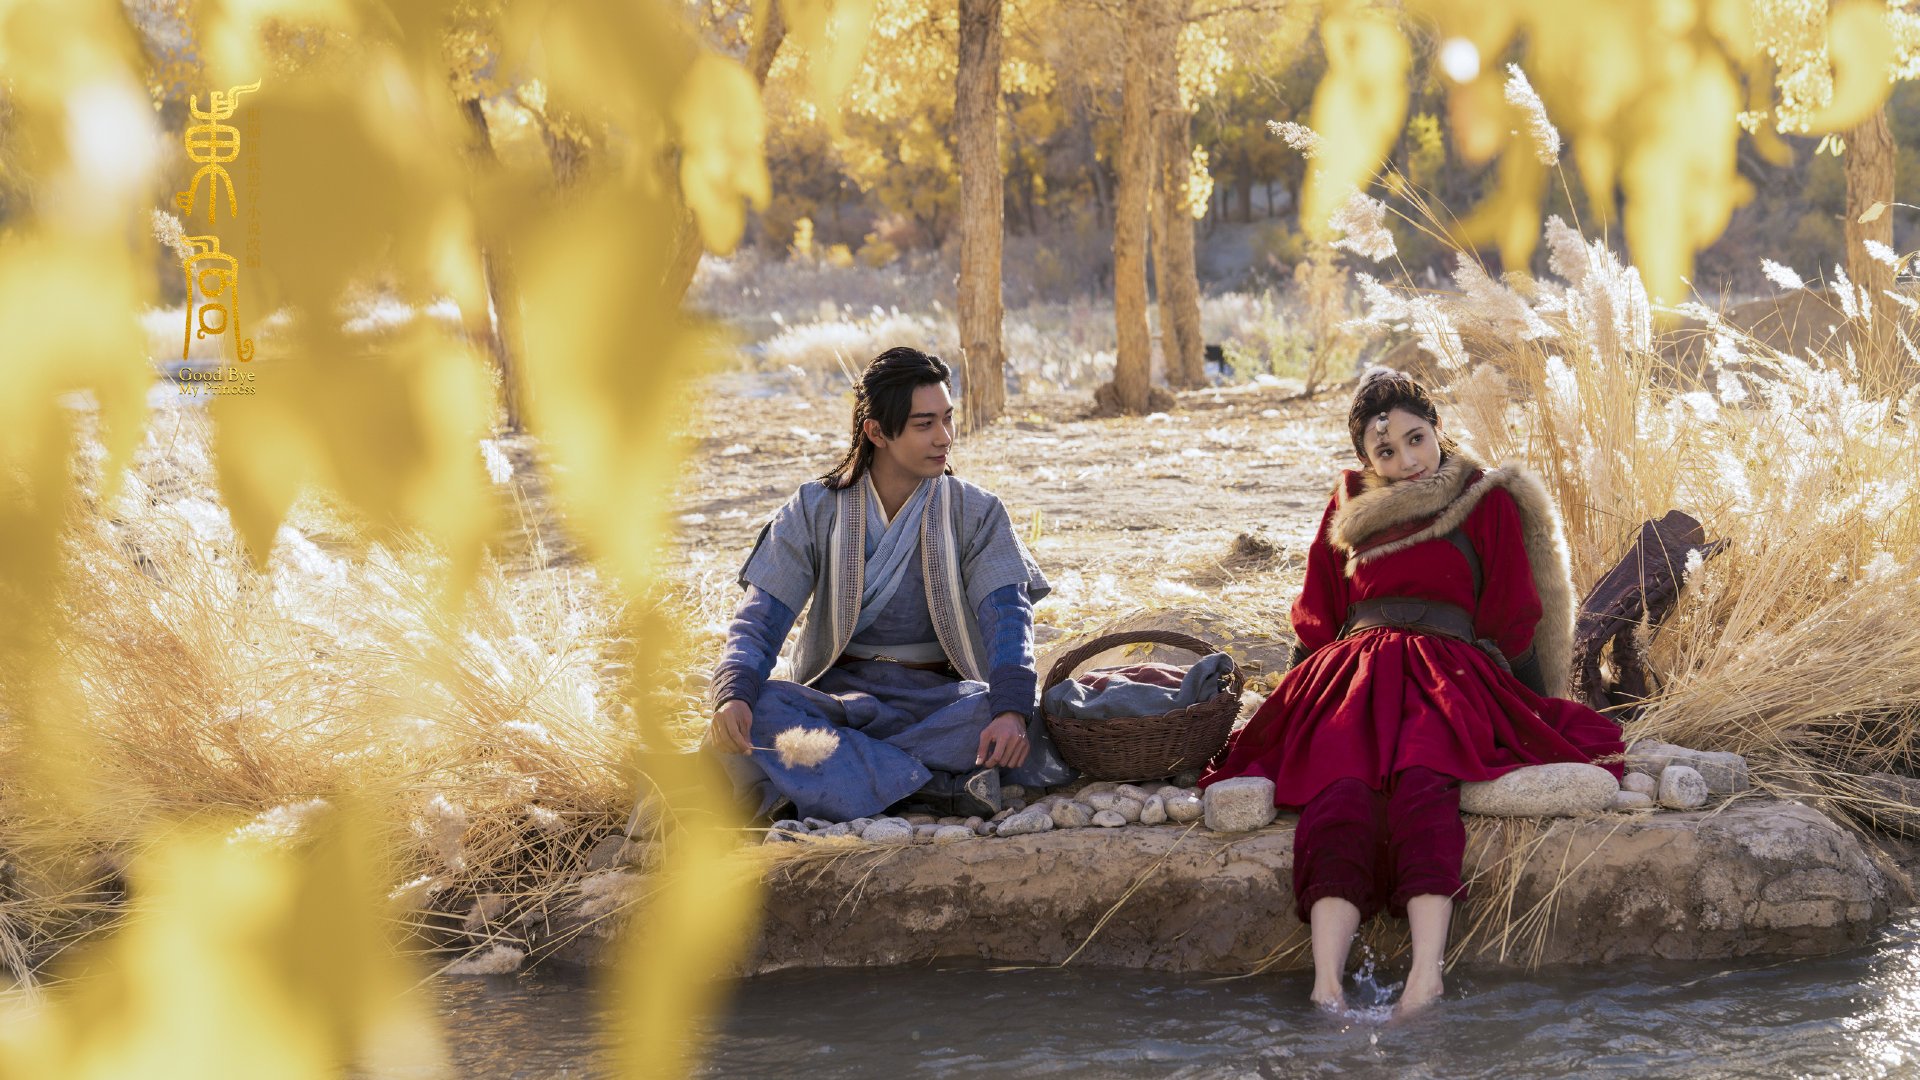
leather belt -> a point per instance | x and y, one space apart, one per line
1409 613
1433 617
930 665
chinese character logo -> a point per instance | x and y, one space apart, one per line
213 144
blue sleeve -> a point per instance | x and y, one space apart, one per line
1006 621
759 628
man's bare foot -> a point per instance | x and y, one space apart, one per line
1421 991
1330 999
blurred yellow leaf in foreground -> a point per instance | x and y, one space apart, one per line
242 959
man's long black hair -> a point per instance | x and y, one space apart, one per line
885 394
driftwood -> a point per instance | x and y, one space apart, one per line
1642 588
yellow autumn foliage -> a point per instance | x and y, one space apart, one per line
1652 94
249 961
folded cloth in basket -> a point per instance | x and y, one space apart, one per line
1138 689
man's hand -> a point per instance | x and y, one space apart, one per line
1004 742
732 730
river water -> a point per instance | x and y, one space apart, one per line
1851 1015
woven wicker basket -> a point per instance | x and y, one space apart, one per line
1143 747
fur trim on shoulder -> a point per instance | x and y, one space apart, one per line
1546 541
1379 506
1447 499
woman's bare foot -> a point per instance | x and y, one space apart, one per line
1428 916
1334 921
1422 990
1330 999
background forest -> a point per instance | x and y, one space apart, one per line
885 191
862 239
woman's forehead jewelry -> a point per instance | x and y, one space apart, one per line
1380 422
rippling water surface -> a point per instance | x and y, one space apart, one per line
1851 1015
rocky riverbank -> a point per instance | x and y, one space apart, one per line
1753 876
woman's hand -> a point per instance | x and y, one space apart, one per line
1004 742
732 730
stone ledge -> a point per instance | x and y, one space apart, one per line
1755 877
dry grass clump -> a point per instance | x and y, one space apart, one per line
493 739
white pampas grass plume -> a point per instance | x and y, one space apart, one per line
1883 568
1695 559
805 747
1362 224
499 469
1780 275
607 892
444 828
1436 331
527 729
487 909
1384 306
414 894
1882 253
544 819
1494 307
497 960
1567 253
1843 290
168 230
280 825
1299 136
1731 392
1520 94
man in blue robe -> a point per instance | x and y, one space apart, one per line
917 646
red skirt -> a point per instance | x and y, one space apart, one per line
1386 700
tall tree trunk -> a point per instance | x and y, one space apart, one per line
1090 165
503 331
1869 169
494 269
1132 368
1173 256
976 117
1157 219
568 157
687 246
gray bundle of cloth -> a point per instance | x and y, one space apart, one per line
1138 689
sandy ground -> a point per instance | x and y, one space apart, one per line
1121 513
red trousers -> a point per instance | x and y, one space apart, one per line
1378 849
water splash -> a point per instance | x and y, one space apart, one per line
1371 1001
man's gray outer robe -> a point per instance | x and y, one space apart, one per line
812 556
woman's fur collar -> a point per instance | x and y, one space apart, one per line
1369 505
1415 511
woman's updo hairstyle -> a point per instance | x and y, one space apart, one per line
1382 390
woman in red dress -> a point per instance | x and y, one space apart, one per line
1434 637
